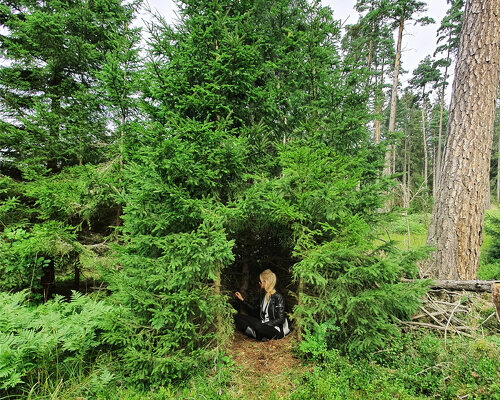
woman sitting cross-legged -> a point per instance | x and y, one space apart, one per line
267 319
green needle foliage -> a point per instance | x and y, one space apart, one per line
51 111
177 186
352 293
41 222
240 139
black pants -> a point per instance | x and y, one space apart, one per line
253 327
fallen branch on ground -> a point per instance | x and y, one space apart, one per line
471 286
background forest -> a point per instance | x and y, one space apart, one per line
143 181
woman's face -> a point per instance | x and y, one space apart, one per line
262 283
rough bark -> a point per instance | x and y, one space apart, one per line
440 134
456 229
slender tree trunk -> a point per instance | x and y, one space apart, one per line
405 166
457 218
424 139
370 54
379 103
394 97
377 124
406 193
434 169
300 291
408 163
498 170
395 79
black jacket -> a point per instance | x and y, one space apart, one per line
275 310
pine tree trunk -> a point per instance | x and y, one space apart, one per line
379 104
440 135
408 183
405 164
406 193
434 170
426 157
394 98
457 218
369 61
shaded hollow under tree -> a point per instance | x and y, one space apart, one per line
256 250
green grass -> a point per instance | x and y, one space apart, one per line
418 225
416 366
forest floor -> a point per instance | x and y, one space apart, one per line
265 369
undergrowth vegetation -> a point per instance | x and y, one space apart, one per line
42 346
66 349
417 365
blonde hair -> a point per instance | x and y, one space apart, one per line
269 279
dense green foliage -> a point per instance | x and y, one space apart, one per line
55 341
240 137
65 347
51 108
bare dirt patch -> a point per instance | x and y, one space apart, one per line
265 369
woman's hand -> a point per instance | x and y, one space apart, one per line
239 296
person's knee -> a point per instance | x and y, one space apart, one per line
239 322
